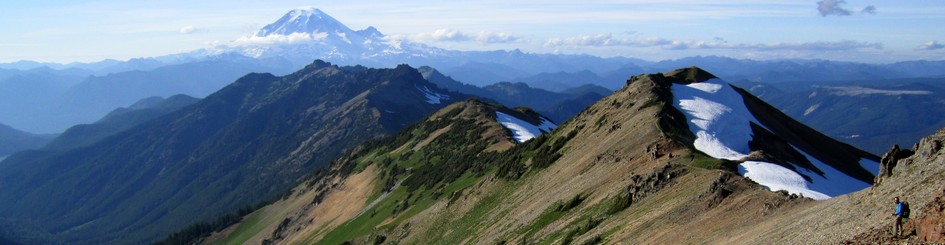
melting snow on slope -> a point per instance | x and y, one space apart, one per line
776 177
432 97
833 182
521 130
720 121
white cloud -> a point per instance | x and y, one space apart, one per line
497 37
931 45
832 7
449 35
188 29
607 40
293 38
445 35
604 40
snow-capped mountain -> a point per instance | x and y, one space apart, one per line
770 148
302 35
310 20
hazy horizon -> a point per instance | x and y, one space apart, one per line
861 31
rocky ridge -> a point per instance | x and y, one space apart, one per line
624 170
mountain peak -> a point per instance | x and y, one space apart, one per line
689 75
768 146
304 20
370 32
319 64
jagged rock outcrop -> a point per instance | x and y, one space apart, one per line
642 185
889 161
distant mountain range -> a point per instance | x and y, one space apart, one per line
557 105
13 140
70 94
119 120
233 149
49 101
872 114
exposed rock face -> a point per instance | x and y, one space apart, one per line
889 161
690 75
931 225
729 184
641 186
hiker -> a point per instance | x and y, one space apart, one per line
902 212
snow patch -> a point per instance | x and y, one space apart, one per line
522 130
717 116
776 177
344 36
833 182
546 125
433 97
811 109
720 121
870 165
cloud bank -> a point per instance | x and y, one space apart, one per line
293 38
607 40
931 45
448 35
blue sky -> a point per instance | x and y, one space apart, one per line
852 30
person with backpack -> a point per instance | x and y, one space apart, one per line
902 212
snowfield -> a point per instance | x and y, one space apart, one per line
721 123
433 97
870 165
521 130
